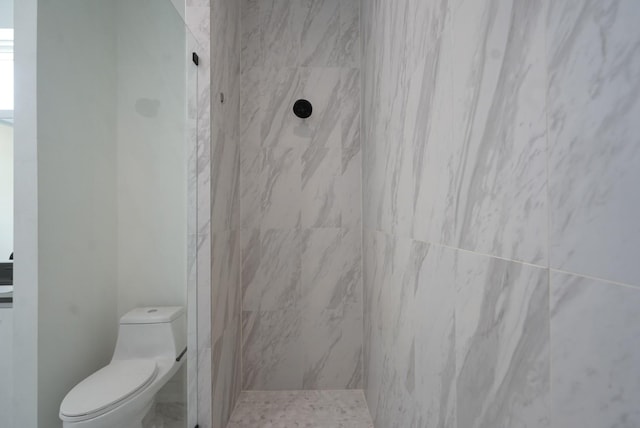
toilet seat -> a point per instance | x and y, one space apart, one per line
107 388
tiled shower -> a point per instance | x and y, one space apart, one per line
300 196
451 231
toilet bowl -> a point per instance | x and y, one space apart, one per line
150 349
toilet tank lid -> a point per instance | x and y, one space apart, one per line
152 315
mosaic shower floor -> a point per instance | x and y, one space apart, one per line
294 409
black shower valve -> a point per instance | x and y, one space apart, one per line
302 109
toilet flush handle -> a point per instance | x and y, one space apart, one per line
182 354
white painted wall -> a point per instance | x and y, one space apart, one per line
6 367
6 13
67 305
6 246
151 112
6 191
25 275
77 196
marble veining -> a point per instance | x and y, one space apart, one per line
217 236
197 18
499 78
307 33
467 116
300 192
594 141
502 341
415 384
595 328
290 409
331 301
272 353
499 145
271 269
454 337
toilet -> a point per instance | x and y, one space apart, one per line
151 347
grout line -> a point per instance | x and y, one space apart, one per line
450 247
595 278
586 276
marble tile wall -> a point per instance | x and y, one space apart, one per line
216 26
500 205
214 238
300 195
197 17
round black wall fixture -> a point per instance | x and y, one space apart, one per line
302 109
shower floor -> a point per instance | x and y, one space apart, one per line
293 409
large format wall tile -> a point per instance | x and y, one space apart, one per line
498 143
281 27
389 376
251 50
594 142
320 32
225 380
218 169
371 274
226 290
432 150
300 192
432 271
307 33
271 269
331 269
453 337
499 184
332 343
271 350
273 195
595 329
279 87
331 301
409 304
224 181
330 33
454 154
321 187
251 108
407 75
349 42
502 343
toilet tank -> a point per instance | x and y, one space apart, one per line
151 332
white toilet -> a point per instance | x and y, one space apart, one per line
151 347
